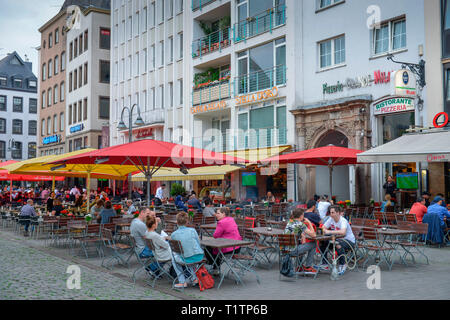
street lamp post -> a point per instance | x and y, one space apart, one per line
139 122
12 148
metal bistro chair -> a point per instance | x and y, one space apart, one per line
120 252
177 248
372 246
286 244
163 265
144 262
380 217
92 235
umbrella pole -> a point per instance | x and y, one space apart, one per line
53 184
10 191
88 187
148 189
330 168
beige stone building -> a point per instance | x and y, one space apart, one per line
52 87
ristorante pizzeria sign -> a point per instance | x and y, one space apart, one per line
393 105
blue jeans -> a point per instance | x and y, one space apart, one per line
182 271
147 253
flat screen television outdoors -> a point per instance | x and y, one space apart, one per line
409 180
249 179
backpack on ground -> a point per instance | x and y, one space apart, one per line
205 280
286 267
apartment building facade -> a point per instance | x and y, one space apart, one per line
18 109
88 78
52 86
147 68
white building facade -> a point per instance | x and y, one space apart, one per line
345 72
147 68
18 109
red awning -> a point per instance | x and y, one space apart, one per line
5 176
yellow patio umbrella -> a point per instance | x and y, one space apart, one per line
98 171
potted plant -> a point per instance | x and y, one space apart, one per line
191 213
88 218
136 214
238 211
348 203
118 209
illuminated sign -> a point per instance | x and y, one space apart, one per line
258 96
77 128
393 105
364 81
437 158
405 83
51 139
213 106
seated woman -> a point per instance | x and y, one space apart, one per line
193 252
302 227
386 203
107 212
162 250
209 210
57 207
96 209
227 229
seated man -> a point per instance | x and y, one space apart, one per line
27 211
310 213
338 225
138 229
131 208
419 209
436 207
194 202
301 226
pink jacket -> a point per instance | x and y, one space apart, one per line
227 229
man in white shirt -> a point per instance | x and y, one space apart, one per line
160 192
74 191
338 225
322 207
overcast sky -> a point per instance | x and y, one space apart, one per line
19 24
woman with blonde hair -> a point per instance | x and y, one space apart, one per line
387 202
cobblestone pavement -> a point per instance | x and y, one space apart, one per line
44 269
29 274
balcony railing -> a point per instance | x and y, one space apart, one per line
198 4
252 139
263 22
154 116
213 92
260 80
215 41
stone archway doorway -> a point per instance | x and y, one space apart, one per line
341 174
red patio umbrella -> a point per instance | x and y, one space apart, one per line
5 176
148 156
330 156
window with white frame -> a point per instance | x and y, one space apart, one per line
162 52
63 61
144 62
136 64
153 99
144 19
170 94
170 3
391 36
321 4
161 3
332 52
56 65
161 96
153 57
180 87
180 37
130 27
136 24
171 49
62 91
152 14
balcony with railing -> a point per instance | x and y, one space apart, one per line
215 41
199 4
263 22
260 80
221 90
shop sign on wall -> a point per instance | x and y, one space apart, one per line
393 105
258 96
405 83
365 81
213 106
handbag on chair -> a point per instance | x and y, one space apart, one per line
205 280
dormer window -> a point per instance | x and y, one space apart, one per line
3 81
32 83
17 83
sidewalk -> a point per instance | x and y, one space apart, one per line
419 281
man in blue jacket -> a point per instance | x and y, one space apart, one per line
436 207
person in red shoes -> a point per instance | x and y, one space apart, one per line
301 226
